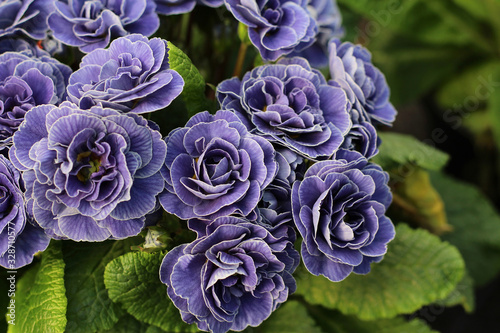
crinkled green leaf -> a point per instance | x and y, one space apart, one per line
400 149
476 226
418 269
133 281
332 321
40 295
291 317
462 295
193 93
128 324
89 306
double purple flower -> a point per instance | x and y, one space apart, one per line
291 104
367 91
25 82
234 275
276 27
89 175
133 75
20 237
339 209
214 168
329 21
92 24
25 17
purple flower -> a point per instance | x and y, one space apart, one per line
28 17
90 175
233 276
214 167
19 238
276 27
171 7
92 24
25 82
339 209
329 21
133 75
351 68
290 104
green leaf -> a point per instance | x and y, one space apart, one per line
193 93
128 324
418 269
400 150
462 295
40 295
291 317
332 321
89 306
476 226
133 281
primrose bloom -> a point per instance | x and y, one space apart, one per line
89 175
27 81
171 7
233 276
133 75
91 24
351 68
276 27
214 167
25 17
339 209
20 237
290 104
329 21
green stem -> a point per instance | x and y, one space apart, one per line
241 58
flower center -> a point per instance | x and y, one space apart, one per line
94 164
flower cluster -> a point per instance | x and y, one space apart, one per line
284 160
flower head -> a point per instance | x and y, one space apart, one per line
233 276
133 75
290 104
27 81
20 237
275 27
329 21
90 175
214 167
339 209
92 24
27 17
351 68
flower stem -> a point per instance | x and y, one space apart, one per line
241 58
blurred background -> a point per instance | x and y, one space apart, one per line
442 62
